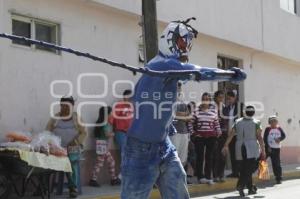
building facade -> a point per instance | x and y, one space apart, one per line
262 36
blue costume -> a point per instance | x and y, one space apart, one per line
149 157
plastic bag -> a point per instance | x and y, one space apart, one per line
57 150
263 170
19 136
48 143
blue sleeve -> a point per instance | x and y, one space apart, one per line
172 130
198 73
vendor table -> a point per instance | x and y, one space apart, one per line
25 167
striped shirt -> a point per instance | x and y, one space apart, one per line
205 123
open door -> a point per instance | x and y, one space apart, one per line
227 63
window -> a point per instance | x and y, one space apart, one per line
226 63
23 29
35 29
289 6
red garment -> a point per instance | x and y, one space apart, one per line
121 117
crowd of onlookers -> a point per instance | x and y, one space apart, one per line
209 130
202 133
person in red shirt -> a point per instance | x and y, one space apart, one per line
121 118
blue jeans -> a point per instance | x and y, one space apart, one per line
146 164
120 139
74 176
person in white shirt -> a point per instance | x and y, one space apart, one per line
272 137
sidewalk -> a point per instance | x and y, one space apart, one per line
109 192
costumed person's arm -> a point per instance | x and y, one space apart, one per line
190 71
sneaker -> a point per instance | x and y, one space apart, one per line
253 190
241 192
116 181
73 193
94 183
203 181
210 182
278 182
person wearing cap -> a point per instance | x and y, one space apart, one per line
68 126
273 137
149 157
249 147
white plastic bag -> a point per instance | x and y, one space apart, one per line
48 143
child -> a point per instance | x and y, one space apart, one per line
272 137
102 133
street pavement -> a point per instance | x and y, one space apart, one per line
287 190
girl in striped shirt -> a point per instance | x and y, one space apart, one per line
205 130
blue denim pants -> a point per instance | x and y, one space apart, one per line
146 164
120 139
73 177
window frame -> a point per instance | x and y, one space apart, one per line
33 21
293 12
25 20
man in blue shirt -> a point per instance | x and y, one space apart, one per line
149 157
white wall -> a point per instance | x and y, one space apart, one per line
281 31
258 24
275 82
271 80
25 74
